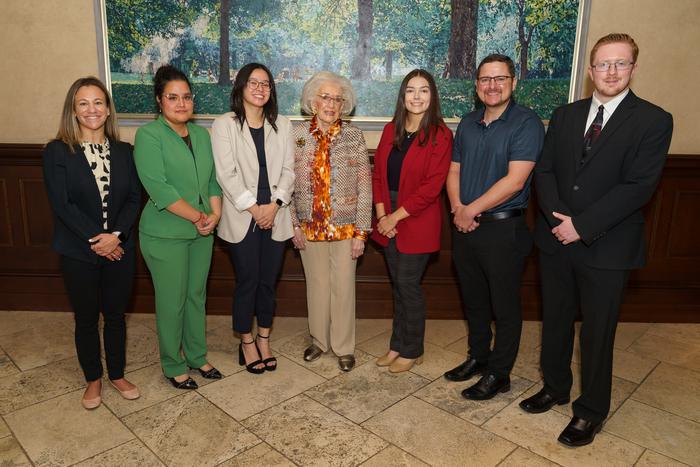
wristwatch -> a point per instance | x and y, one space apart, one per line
279 202
120 235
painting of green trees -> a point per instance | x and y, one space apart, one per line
374 43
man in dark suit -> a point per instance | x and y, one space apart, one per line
600 165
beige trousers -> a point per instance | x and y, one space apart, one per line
330 294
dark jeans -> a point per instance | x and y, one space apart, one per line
489 263
108 284
567 284
408 329
257 260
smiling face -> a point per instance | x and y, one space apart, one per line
417 96
91 110
612 82
176 103
256 92
492 93
327 104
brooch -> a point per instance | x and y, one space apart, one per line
301 142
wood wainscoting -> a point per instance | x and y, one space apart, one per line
666 290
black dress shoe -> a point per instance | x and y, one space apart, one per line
579 432
487 387
211 373
189 383
541 402
312 353
466 370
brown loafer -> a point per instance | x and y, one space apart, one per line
312 353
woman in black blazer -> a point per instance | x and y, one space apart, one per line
95 196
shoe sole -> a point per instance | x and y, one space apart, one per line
487 396
545 409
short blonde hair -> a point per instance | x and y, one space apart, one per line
69 129
310 91
613 38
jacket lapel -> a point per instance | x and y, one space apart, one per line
621 114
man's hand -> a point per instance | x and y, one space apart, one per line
464 219
565 232
104 243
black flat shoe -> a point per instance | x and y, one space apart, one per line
487 388
189 383
541 402
211 373
250 367
270 363
466 370
579 432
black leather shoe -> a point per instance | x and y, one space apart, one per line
346 362
487 387
189 383
466 370
541 402
579 432
211 373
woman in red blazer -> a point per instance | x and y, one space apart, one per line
410 168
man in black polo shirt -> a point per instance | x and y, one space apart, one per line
494 152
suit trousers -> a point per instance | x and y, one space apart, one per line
567 285
257 260
179 270
408 328
330 294
108 285
489 263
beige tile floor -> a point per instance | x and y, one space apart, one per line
313 414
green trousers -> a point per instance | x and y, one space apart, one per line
179 270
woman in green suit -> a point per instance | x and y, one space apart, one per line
175 164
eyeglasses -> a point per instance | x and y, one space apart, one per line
499 80
254 84
621 65
173 98
328 99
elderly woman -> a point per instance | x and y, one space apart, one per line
95 197
331 212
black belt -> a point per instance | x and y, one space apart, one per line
499 216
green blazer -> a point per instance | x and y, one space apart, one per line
169 172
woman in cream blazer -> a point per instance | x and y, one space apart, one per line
254 157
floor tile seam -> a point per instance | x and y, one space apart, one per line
649 404
13 435
509 454
120 417
681 343
243 452
660 454
641 454
14 364
109 449
42 401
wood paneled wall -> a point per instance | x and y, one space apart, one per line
667 289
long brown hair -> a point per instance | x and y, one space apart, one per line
69 129
432 119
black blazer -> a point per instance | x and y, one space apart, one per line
605 192
76 203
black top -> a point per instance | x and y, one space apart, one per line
264 193
395 162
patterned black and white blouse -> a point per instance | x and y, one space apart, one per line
98 157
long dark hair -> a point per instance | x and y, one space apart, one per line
164 75
241 81
432 119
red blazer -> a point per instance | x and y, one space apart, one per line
423 175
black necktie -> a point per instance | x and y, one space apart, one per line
594 130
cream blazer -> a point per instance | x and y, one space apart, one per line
237 171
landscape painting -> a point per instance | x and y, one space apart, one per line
374 43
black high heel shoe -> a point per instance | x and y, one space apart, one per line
211 373
270 363
189 383
250 367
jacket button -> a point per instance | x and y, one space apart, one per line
575 187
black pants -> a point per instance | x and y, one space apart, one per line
257 260
567 284
408 329
489 263
107 285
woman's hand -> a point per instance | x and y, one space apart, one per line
266 215
387 226
116 254
104 243
357 248
208 224
299 240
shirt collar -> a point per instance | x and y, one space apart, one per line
612 104
479 118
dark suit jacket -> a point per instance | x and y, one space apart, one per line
605 193
423 175
76 203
